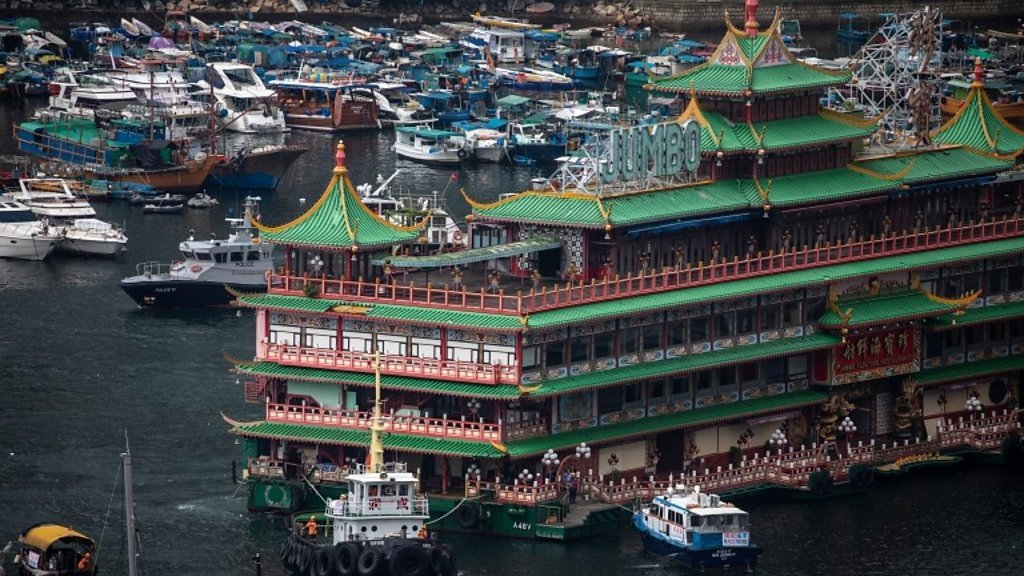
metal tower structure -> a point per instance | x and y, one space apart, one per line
896 78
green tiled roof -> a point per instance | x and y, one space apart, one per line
887 308
686 364
418 314
628 209
775 282
719 79
719 133
814 187
934 165
339 219
642 426
981 315
487 253
970 370
270 369
344 437
978 126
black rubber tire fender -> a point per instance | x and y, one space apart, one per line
467 515
371 561
436 559
323 561
409 560
346 558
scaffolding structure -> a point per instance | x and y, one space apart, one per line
896 79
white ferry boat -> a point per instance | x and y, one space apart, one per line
210 268
430 145
697 530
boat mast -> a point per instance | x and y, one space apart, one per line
377 423
129 509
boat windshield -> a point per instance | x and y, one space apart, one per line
720 522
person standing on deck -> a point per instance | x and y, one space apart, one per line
311 528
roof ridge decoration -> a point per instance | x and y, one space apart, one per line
693 112
960 303
848 119
341 186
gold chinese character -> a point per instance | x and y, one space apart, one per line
849 352
890 340
876 346
904 340
862 346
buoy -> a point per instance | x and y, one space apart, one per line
238 313
302 200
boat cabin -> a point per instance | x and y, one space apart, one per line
51 549
378 504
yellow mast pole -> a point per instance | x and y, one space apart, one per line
377 423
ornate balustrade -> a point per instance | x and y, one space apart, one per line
444 427
454 370
532 493
525 429
793 467
686 276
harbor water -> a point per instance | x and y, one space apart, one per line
81 366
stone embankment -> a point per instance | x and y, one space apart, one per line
662 14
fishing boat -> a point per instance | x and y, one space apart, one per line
48 549
22 235
697 530
378 527
426 144
254 169
853 29
239 262
502 22
326 101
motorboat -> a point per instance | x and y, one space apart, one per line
22 235
207 270
697 530
429 145
49 549
202 200
52 198
241 102
93 237
166 198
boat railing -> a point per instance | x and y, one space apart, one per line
683 275
443 427
456 370
153 268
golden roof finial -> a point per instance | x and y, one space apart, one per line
750 22
979 74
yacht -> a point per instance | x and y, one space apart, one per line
241 102
208 270
55 203
22 235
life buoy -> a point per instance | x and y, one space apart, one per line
196 268
371 560
346 556
325 562
467 515
457 236
409 561
461 154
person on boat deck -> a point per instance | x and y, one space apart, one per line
85 561
311 527
574 486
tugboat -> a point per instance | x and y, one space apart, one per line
210 268
379 527
697 530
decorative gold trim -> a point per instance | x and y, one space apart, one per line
849 119
523 390
763 192
352 309
316 206
887 177
960 303
232 360
499 447
236 423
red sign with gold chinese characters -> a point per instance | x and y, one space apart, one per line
876 355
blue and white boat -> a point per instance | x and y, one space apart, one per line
697 530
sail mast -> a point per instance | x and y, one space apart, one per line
377 423
129 508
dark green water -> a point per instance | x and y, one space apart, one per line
80 365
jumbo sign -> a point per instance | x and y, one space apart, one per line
658 150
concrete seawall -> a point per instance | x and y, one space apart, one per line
675 15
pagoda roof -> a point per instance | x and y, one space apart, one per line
858 179
339 220
873 310
718 133
979 315
967 370
979 126
750 65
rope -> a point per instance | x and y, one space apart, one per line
106 517
315 491
452 511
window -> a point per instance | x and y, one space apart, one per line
463 352
633 393
791 314
603 346
703 380
727 376
748 372
724 324
975 336
997 333
580 349
203 256
393 345
769 317
236 256
681 386
745 321
1017 328
657 389
698 329
627 341
933 345
677 332
1016 280
252 255
220 257
503 355
609 400
797 367
426 348
996 280
971 282
531 356
954 340
651 336
554 354
774 370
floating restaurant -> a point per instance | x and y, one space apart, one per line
760 294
